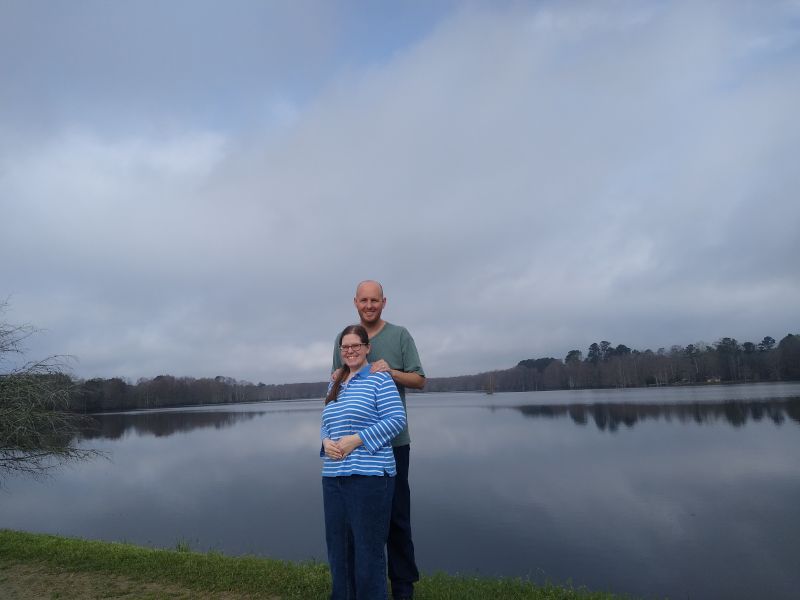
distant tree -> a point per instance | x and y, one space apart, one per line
751 362
554 376
766 344
528 375
540 364
595 354
769 359
692 352
789 357
574 368
729 352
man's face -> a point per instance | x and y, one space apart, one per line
369 303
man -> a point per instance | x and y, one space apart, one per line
392 350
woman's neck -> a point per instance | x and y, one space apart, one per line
355 370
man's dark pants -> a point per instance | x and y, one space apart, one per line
402 566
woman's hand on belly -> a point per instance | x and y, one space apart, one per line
348 443
332 449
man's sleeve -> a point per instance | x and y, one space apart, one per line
411 361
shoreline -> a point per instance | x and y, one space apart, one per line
67 568
412 393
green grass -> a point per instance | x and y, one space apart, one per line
213 573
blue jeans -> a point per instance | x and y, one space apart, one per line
356 526
402 566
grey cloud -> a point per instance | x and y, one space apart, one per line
524 180
136 62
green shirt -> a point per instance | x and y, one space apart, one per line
395 345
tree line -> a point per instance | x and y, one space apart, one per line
607 366
603 366
166 391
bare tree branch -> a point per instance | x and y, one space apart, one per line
38 431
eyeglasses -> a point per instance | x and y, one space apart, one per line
349 347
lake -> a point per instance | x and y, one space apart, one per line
685 492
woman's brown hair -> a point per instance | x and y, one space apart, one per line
343 372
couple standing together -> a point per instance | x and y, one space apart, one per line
365 451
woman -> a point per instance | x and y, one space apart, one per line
362 414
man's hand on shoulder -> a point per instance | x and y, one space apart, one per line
380 366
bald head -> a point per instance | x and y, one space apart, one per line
371 286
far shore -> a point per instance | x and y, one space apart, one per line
412 393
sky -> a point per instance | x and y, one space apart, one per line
195 188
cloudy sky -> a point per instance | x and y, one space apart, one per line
195 187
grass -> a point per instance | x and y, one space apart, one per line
74 568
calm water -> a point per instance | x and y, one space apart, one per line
679 492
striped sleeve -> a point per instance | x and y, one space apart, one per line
323 430
391 416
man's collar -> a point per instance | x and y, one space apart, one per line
380 327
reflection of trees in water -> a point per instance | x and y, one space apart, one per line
161 424
609 416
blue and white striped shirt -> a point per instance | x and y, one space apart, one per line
370 406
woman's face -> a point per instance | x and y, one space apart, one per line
354 352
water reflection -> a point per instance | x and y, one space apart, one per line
161 424
609 416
